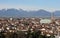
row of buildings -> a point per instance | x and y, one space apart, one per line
46 26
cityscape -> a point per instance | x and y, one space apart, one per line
29 18
25 27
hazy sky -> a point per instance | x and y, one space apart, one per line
50 5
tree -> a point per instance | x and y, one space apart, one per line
36 34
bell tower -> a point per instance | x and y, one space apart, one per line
52 17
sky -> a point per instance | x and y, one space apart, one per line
49 5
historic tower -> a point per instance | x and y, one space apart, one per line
52 17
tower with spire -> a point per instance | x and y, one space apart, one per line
52 17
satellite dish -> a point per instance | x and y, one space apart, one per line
45 21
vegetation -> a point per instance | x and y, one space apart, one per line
20 34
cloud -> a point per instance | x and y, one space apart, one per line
26 7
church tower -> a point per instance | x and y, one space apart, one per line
52 17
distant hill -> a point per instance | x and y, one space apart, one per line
23 13
57 13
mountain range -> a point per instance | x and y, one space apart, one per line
24 13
